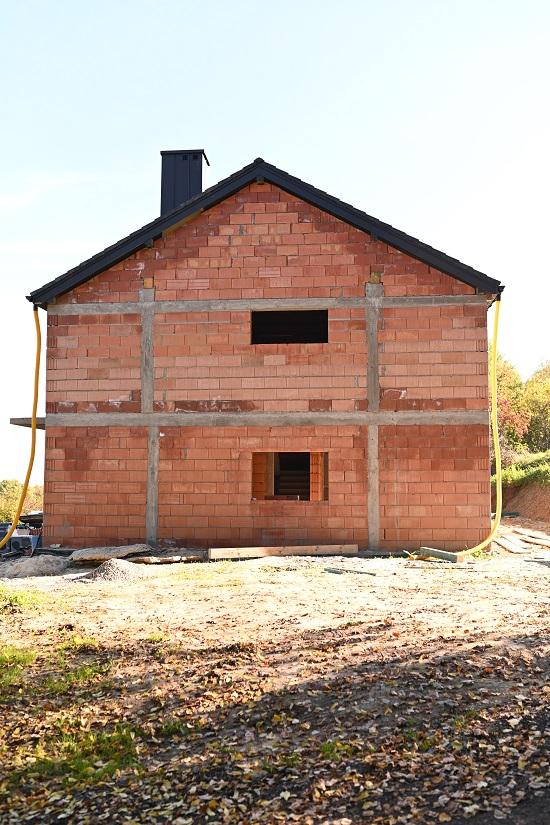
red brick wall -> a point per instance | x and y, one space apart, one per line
264 243
434 486
94 485
93 363
205 361
121 282
205 487
434 358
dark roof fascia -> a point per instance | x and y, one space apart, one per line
260 170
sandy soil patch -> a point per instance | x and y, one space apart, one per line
335 690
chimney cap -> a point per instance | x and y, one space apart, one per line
186 152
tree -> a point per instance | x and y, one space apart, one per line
513 409
10 491
537 393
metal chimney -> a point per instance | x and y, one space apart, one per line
181 177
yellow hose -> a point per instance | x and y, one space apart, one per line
443 554
33 432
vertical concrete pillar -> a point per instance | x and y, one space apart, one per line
373 300
151 512
147 298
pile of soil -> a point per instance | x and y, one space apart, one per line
116 570
33 566
531 501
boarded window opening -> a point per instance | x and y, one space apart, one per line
301 327
290 476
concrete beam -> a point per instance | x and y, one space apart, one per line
263 419
434 300
265 304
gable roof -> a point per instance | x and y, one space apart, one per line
261 170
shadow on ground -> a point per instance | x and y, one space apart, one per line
349 725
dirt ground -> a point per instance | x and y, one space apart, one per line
310 690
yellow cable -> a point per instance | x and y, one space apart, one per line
429 551
33 431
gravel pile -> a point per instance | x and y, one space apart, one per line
116 570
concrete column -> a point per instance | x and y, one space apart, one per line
147 306
151 507
373 299
147 297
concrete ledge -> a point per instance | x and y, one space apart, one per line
27 422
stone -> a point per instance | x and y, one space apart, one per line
91 554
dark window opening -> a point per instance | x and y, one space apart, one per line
287 327
290 476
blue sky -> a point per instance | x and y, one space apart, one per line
432 116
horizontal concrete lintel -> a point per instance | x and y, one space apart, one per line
433 300
261 419
27 422
213 305
261 304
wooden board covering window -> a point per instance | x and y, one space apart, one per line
259 475
318 477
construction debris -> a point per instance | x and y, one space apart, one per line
99 554
520 540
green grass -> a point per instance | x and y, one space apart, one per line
79 644
335 750
12 656
64 682
533 468
81 756
13 661
84 756
172 727
156 637
12 600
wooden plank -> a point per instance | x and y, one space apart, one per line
511 547
535 540
164 559
518 541
297 550
533 536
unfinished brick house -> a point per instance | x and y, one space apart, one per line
264 364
